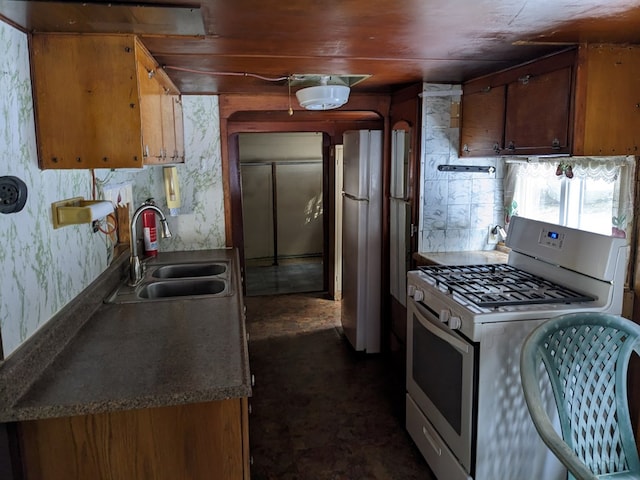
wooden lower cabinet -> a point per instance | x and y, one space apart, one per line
195 441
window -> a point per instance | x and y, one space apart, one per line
584 193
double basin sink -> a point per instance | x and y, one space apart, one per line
176 281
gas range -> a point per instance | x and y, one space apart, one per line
551 270
465 328
500 285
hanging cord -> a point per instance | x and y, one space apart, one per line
289 85
227 74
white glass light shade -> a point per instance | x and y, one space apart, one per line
323 97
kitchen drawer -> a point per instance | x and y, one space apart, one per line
441 461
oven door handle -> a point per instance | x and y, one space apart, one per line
437 330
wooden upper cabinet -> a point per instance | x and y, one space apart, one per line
537 116
608 100
538 108
96 104
584 101
178 123
151 94
482 119
523 110
172 128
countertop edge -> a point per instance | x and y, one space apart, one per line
40 412
27 363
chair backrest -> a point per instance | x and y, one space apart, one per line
586 356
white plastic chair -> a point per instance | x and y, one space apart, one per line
586 356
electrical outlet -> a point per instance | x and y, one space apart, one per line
492 238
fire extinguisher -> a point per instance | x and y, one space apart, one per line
150 230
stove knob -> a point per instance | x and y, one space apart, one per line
418 295
411 289
454 322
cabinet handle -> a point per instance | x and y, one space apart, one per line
465 148
511 147
555 145
253 380
496 148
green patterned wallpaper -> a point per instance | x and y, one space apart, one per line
42 269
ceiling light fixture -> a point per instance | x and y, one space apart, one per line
323 96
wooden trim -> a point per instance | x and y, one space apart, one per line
537 66
328 216
246 453
580 100
405 114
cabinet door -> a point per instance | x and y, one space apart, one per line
199 441
482 121
178 124
168 129
83 89
151 94
608 100
538 113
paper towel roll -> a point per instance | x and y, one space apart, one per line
99 210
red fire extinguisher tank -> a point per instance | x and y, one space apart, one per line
150 231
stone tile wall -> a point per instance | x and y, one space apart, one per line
457 208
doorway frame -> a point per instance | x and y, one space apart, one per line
268 113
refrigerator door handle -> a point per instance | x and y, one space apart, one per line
401 199
353 197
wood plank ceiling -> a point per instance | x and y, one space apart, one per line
396 42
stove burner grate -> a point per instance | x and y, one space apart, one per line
500 285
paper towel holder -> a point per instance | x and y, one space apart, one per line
78 210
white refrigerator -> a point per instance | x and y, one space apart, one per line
362 239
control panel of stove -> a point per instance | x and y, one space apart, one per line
551 238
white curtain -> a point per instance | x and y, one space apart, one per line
620 171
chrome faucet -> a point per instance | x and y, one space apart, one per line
135 267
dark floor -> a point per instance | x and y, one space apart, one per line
294 275
319 410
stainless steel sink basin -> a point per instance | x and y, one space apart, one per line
182 288
177 281
184 270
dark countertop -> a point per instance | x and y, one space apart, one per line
139 355
461 258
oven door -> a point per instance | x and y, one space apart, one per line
441 373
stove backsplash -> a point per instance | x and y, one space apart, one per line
457 208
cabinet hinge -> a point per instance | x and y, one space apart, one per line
525 79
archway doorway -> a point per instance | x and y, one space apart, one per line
262 114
